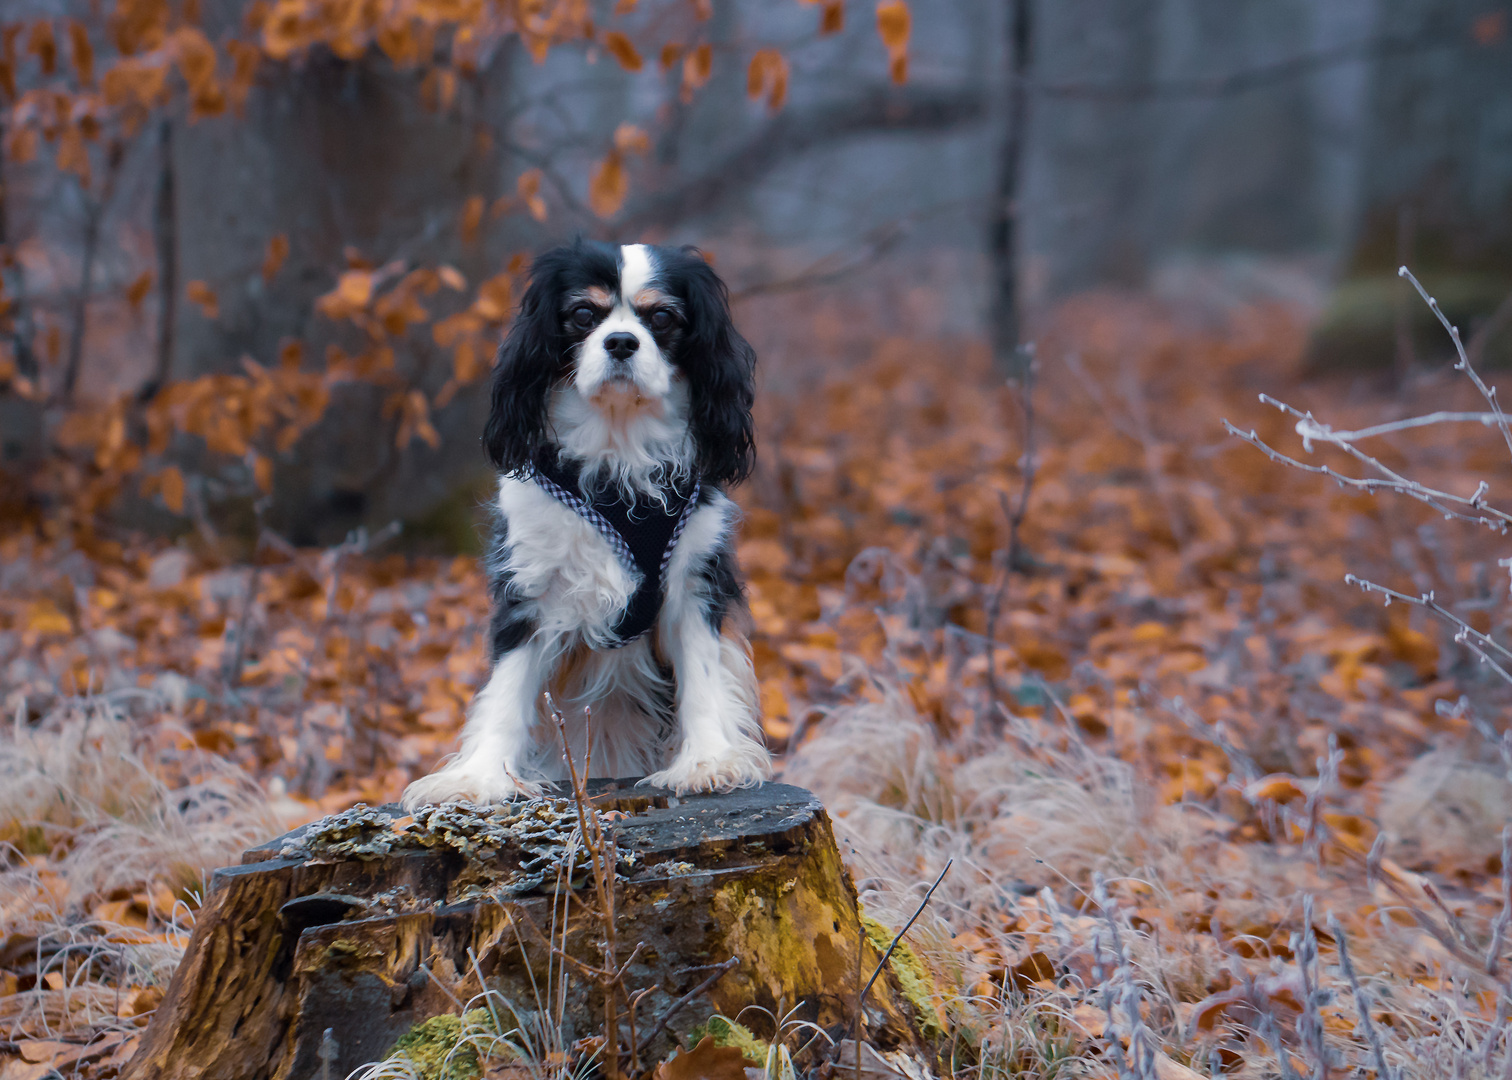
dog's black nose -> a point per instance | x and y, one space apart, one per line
621 346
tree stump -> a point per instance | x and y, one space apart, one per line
327 945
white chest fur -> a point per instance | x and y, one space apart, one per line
559 560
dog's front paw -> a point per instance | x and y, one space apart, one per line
465 785
737 768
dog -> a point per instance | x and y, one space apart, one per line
621 410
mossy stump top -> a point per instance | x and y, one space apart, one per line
368 923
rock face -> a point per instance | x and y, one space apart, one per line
368 924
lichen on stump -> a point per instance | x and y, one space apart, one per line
370 923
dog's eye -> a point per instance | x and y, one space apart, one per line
660 320
583 316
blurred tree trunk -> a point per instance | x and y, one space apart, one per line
1436 187
22 436
1088 173
1006 315
341 158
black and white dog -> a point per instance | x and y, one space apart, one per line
621 407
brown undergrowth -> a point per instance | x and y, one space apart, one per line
1181 766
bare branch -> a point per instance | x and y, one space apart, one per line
1442 501
1489 393
881 109
1465 634
1312 431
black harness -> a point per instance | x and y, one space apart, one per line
642 532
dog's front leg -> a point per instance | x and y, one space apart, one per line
718 728
495 740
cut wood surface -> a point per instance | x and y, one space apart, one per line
369 923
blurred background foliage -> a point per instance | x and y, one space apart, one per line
243 240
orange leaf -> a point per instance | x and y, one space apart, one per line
414 421
897 68
472 217
262 473
82 51
352 292
698 65
703 10
284 31
196 58
136 292
244 60
671 53
454 328
135 82
620 48
529 188
893 25
278 251
438 89
832 21
41 44
465 366
203 295
138 26
629 139
706 1061
21 146
73 156
1277 786
171 487
768 75
608 185
495 298
43 617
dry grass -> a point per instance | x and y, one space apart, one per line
112 819
1069 890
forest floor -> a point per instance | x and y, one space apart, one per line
1160 746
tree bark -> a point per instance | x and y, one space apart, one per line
332 929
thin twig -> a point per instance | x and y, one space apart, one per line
94 214
899 935
1362 1001
19 324
1312 430
1487 392
1016 558
1478 643
661 1025
1442 501
1504 917
601 856
165 239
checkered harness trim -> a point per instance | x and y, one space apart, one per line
616 542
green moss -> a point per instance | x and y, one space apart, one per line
729 1033
913 977
436 1049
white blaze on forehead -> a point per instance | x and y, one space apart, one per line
636 271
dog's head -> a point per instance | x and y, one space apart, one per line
624 355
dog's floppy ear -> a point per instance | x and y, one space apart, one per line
720 367
529 363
